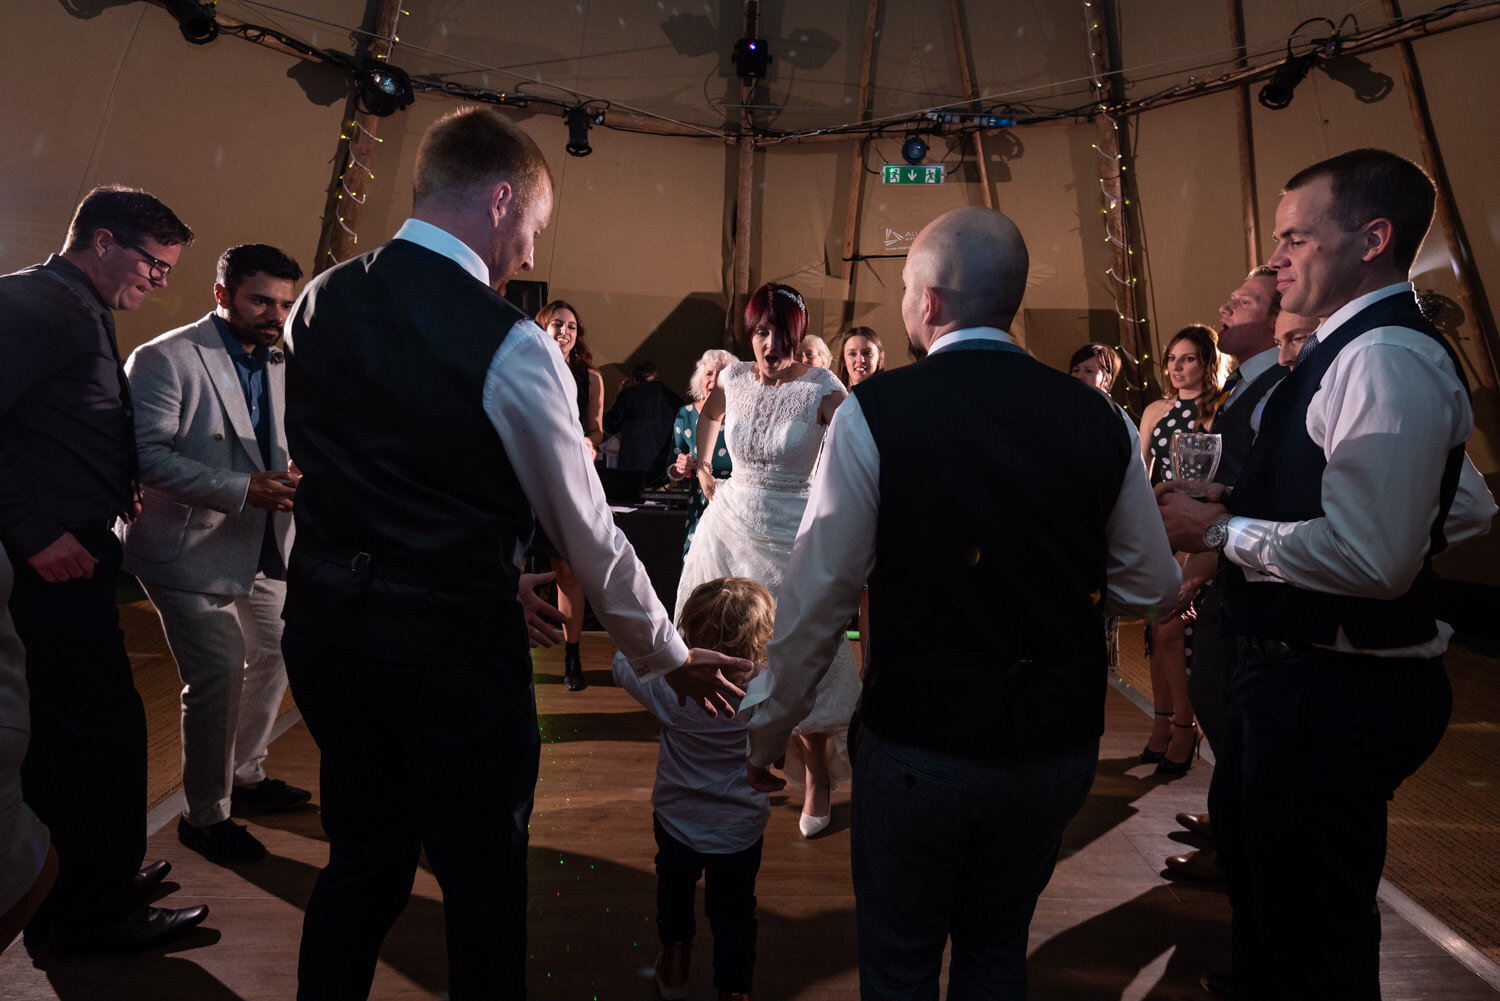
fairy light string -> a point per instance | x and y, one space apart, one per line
349 131
1111 184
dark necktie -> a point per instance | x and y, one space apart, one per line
1307 348
107 320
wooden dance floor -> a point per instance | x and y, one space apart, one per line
1110 925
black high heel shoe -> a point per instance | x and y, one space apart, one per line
1150 757
573 669
1166 766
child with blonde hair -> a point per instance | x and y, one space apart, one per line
708 819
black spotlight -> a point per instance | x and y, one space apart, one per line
1277 93
579 124
383 89
914 150
752 58
195 20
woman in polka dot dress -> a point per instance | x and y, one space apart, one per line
685 436
1190 371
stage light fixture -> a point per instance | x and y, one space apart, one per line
1277 93
195 20
383 89
752 58
579 124
914 150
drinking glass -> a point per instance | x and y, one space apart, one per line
1195 459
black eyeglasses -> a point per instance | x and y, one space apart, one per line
159 268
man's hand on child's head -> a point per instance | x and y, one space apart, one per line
701 680
763 780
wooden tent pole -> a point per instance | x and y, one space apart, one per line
744 205
1248 196
857 168
1471 293
354 159
1114 163
966 77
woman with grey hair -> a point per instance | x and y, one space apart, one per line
815 352
685 436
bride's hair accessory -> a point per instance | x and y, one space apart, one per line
793 295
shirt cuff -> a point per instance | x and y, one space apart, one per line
1246 545
661 662
34 533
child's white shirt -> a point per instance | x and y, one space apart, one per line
703 796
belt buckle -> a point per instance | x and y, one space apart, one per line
1277 649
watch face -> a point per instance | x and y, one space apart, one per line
1216 535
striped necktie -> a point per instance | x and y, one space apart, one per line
1228 391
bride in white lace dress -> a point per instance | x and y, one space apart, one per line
775 412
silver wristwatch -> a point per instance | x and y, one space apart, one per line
1217 533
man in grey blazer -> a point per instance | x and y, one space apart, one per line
211 544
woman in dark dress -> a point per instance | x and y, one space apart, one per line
560 320
1190 372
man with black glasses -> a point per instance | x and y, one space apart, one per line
68 469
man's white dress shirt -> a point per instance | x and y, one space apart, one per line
531 399
1386 414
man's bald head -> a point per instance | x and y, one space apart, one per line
966 269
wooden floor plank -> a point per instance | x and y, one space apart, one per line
1108 926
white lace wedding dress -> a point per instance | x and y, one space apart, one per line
774 438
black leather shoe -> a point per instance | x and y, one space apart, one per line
145 928
1202 864
1220 985
224 843
271 795
1198 823
150 877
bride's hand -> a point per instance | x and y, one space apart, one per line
706 481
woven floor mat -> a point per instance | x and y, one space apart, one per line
1444 847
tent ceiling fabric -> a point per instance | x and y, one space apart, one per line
239 138
675 60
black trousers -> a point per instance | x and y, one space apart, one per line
435 757
728 900
85 771
1315 735
1213 660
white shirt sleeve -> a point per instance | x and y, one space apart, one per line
1386 414
1142 575
531 399
831 560
1473 507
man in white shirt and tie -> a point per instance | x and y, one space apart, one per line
1356 479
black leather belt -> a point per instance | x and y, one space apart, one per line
364 564
1275 649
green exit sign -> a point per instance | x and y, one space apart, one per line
896 174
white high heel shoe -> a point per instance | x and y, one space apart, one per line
813 825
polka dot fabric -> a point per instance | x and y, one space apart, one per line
1179 417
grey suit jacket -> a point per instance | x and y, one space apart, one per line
197 451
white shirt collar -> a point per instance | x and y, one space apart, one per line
1353 306
440 241
1258 364
969 334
